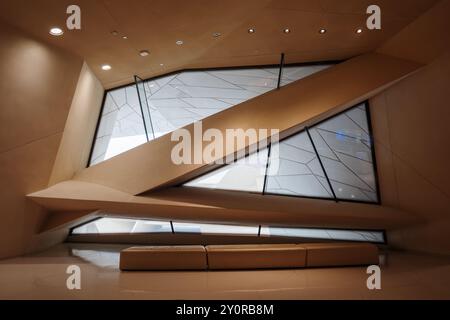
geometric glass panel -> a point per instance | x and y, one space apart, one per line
177 100
207 228
246 174
121 126
294 169
324 234
337 151
121 225
345 148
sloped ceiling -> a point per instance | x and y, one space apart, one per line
156 25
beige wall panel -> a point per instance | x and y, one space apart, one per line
288 109
413 115
36 89
76 143
425 38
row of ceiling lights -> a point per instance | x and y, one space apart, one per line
321 30
55 31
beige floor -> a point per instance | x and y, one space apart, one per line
43 276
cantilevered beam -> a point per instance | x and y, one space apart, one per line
190 204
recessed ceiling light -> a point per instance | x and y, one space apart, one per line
251 30
55 31
322 31
114 33
144 53
179 42
216 34
287 30
106 67
359 30
125 37
161 64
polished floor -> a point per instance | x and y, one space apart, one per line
43 276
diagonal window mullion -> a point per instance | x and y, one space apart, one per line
321 164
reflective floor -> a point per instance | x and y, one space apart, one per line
43 276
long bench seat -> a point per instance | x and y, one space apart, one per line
164 258
258 256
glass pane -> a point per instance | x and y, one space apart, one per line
119 225
325 234
121 127
246 174
294 73
344 145
295 170
183 98
203 228
140 85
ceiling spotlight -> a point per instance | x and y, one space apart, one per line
359 30
144 53
322 31
216 34
114 33
125 37
55 31
179 42
106 67
251 30
161 64
287 30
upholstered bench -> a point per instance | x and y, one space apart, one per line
250 256
164 258
340 254
259 256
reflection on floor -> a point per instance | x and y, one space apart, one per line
43 276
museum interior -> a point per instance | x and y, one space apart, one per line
120 158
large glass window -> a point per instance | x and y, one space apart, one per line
109 225
207 228
120 225
333 159
148 109
325 234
